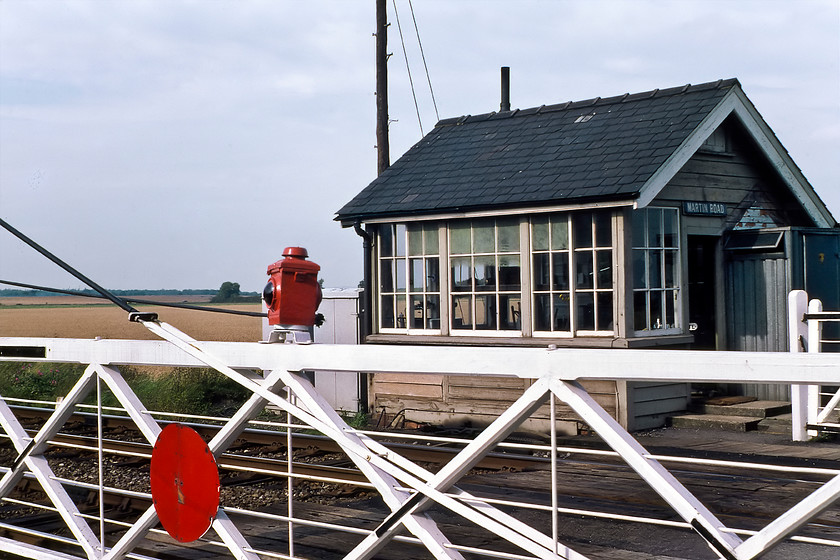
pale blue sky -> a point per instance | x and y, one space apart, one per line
181 144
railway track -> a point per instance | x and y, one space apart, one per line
321 476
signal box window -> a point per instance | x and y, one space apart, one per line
409 277
656 270
485 276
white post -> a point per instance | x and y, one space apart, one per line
814 339
797 338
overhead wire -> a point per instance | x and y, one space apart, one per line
423 56
408 68
133 313
122 302
141 300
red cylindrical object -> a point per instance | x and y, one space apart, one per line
293 292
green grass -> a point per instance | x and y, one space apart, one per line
181 390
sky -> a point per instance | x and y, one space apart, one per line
181 144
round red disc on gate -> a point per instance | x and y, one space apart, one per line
185 483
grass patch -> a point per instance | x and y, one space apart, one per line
199 391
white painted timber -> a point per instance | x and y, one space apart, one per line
530 363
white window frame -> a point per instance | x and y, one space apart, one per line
401 263
573 291
498 254
526 292
662 248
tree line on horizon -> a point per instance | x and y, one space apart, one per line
229 291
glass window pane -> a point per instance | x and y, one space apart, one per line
655 270
605 311
639 269
560 262
510 308
461 274
485 312
584 270
656 319
539 234
386 241
416 280
562 319
432 312
509 280
508 235
399 269
639 228
585 311
430 239
433 274
459 238
387 312
484 237
402 312
654 217
417 312
485 274
542 312
415 239
670 269
400 240
582 223
603 229
386 275
640 311
462 312
560 232
542 272
604 261
670 228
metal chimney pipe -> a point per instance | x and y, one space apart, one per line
505 106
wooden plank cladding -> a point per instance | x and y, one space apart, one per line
474 400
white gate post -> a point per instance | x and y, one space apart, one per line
797 338
814 338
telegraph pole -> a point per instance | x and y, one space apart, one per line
383 149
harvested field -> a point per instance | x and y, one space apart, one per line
108 321
82 300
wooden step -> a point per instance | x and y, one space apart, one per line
725 423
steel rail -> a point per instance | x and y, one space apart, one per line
414 480
228 461
432 454
143 497
507 503
441 455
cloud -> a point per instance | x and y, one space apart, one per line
200 138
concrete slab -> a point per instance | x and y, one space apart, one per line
716 422
780 424
755 409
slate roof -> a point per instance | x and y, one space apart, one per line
598 149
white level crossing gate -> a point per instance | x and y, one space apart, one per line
815 408
408 489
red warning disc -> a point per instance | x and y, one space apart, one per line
185 483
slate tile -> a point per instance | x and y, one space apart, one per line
541 152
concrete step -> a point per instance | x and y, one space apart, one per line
725 423
775 424
754 409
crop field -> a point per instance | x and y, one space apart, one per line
72 317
